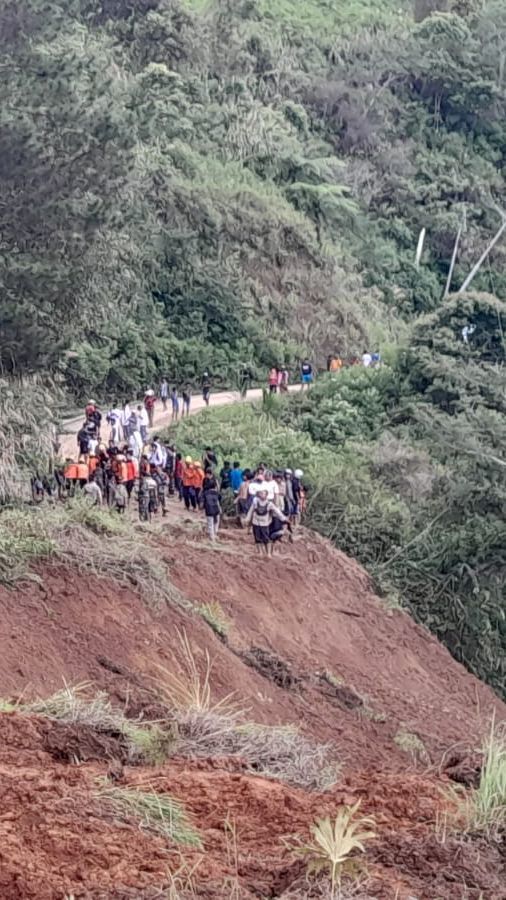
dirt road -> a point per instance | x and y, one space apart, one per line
162 418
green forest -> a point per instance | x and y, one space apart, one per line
209 184
190 185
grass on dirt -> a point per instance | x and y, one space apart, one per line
147 743
158 813
89 539
215 617
485 809
208 728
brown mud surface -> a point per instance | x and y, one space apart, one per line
309 644
58 838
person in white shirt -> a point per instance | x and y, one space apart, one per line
271 486
366 359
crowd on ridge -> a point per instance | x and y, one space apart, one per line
132 466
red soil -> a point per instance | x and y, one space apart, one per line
392 675
58 840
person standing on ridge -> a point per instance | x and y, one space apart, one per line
206 387
283 379
236 478
189 478
306 371
164 393
226 476
212 510
261 514
209 458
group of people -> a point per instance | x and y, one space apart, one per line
335 362
279 377
112 473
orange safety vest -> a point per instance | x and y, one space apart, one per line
122 471
82 471
132 469
189 475
198 478
70 471
92 464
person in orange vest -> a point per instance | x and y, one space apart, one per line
70 475
82 471
336 364
198 480
189 479
132 465
92 464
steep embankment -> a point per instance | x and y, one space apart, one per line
309 644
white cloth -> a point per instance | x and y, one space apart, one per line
256 486
272 489
366 360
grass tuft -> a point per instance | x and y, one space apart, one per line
146 743
215 617
158 813
485 808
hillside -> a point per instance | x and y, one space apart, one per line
218 184
398 714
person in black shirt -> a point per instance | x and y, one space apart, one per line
225 476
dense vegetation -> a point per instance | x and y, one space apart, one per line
213 183
406 468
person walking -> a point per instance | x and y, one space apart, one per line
174 399
283 379
189 477
226 476
212 510
273 380
236 477
142 422
114 420
187 398
164 393
306 372
149 405
261 516
206 387
93 493
209 458
178 475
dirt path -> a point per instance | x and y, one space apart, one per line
162 418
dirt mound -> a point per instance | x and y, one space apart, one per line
58 838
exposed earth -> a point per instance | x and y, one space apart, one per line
310 645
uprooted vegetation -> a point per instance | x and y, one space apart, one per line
88 539
194 726
155 812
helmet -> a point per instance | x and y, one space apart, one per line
288 471
188 459
150 393
298 473
91 403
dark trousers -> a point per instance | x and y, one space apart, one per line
189 497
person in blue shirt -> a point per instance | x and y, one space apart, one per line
236 476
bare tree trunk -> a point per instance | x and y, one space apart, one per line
474 271
452 264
